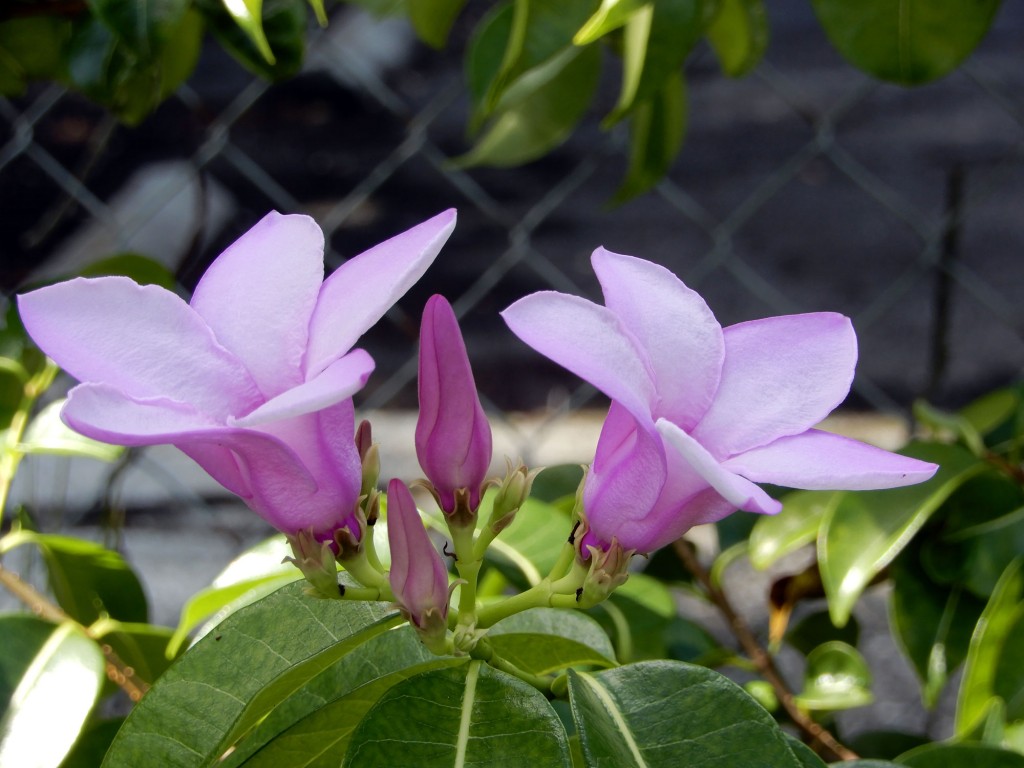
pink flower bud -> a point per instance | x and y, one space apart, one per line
418 577
453 438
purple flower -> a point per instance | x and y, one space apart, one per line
418 577
453 438
699 413
254 378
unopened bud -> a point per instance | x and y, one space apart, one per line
608 571
512 493
371 469
364 438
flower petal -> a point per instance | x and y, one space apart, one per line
782 375
737 490
590 341
819 460
339 381
142 340
258 297
683 340
362 289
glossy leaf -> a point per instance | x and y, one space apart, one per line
961 755
276 645
998 636
655 42
433 19
864 532
88 580
775 536
254 574
283 28
143 26
657 128
700 718
738 33
319 717
470 714
932 622
24 636
54 697
544 640
539 111
46 433
610 15
836 677
909 42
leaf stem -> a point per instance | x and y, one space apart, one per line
124 676
762 659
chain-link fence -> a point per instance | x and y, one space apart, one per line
803 187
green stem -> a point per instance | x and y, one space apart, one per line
468 565
362 571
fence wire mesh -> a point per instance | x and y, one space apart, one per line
806 186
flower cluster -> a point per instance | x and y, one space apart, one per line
254 379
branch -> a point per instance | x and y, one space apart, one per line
118 672
759 656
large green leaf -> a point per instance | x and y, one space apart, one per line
637 616
657 128
993 669
268 649
54 697
545 640
88 580
932 622
24 636
433 19
739 35
910 41
144 26
775 536
30 50
864 532
469 714
539 110
318 718
666 713
959 756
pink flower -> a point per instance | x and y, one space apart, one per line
453 438
253 378
418 577
699 413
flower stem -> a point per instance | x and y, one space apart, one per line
762 659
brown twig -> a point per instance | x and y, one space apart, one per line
117 671
759 656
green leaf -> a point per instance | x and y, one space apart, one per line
320 716
656 136
143 26
433 19
932 623
960 755
204 696
953 424
688 641
283 30
254 574
637 616
738 33
611 15
46 433
992 410
867 764
993 660
909 42
836 677
544 640
817 628
248 15
92 744
88 580
775 536
53 699
470 714
884 745
30 49
667 713
656 42
864 532
143 647
538 111
805 755
142 269
24 636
